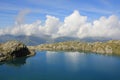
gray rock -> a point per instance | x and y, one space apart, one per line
1 55
13 49
111 47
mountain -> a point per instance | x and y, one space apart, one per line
95 39
35 40
65 38
28 40
87 39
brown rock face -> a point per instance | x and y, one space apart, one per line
13 49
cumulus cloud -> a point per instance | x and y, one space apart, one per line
74 25
71 24
106 27
51 25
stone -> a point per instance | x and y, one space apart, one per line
14 49
1 55
108 50
111 47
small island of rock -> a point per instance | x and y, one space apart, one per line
14 49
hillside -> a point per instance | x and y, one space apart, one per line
108 47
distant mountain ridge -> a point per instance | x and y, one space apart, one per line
34 40
28 40
87 39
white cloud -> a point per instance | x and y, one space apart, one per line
71 24
74 25
106 27
51 25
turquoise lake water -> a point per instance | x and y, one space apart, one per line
48 65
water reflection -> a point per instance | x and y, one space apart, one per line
51 57
62 66
73 59
18 62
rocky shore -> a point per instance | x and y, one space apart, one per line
109 47
14 49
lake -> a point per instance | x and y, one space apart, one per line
46 65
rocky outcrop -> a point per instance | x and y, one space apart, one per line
14 49
109 47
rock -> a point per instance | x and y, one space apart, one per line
13 49
108 50
100 50
111 47
1 55
3 59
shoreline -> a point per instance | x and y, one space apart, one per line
111 47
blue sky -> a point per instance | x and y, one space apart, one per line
94 9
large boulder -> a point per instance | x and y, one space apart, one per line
14 49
